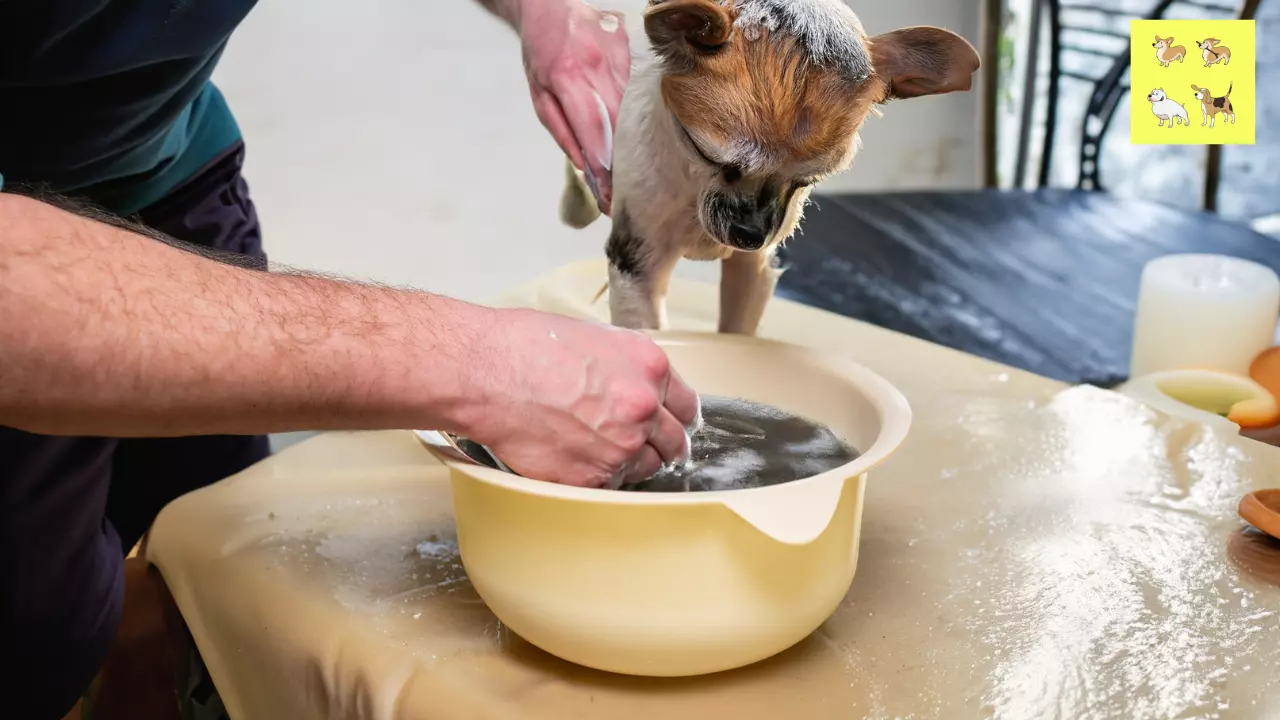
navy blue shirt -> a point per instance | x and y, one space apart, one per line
111 99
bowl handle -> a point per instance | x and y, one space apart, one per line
791 513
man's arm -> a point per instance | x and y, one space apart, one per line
106 332
506 10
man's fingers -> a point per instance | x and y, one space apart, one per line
642 466
602 188
682 401
553 119
670 439
588 117
604 83
582 111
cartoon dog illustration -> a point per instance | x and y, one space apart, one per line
1213 52
1212 106
1166 109
1167 52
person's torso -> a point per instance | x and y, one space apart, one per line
112 94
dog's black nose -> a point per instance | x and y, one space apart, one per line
746 237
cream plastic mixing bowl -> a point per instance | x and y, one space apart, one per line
673 584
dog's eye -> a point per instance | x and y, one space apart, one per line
731 174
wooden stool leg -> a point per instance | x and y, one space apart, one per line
137 680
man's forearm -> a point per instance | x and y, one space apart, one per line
106 332
509 11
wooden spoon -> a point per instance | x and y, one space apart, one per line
1261 509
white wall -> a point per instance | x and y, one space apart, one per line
394 140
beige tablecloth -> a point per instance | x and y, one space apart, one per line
1031 552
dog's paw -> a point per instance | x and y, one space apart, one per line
578 207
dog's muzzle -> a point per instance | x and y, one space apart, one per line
747 236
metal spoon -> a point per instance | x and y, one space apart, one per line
477 452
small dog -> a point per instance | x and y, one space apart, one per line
1212 106
1167 109
739 108
1167 52
1214 53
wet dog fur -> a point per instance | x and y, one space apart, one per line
739 108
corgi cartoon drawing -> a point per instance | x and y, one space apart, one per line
1167 52
1165 109
1211 106
1214 53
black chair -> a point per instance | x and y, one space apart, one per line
1043 279
1089 43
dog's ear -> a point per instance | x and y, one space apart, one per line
919 61
684 30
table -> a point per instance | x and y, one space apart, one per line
1032 551
1045 281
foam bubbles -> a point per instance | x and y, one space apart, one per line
743 444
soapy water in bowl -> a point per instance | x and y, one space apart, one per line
740 445
743 444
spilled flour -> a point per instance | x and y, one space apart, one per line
744 444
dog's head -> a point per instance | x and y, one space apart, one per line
768 96
1207 43
1162 43
1202 94
1156 95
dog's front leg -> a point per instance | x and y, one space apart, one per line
747 281
637 301
639 275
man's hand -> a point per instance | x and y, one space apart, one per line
578 61
578 403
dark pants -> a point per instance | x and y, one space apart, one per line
71 508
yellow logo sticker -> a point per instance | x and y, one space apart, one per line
1192 82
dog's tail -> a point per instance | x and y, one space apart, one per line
1229 88
578 207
